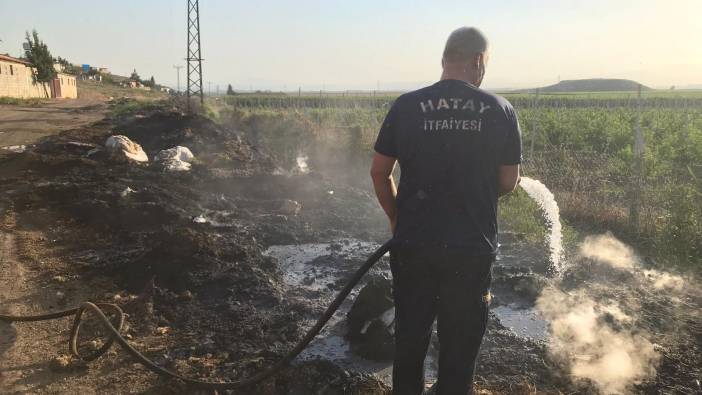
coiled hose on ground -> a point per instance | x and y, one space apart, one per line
114 331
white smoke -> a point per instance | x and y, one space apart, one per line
594 327
589 338
607 249
302 167
662 280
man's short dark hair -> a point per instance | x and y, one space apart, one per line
463 44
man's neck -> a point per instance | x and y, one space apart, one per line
448 75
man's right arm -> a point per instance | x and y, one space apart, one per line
384 185
384 161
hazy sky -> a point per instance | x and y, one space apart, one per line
362 43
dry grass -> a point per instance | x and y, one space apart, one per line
104 90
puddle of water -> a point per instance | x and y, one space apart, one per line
313 267
297 262
302 268
332 345
523 322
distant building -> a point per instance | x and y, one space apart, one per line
17 80
90 73
130 83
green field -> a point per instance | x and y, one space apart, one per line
579 144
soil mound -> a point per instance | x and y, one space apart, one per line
214 146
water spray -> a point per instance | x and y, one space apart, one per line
545 199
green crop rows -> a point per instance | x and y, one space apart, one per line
579 145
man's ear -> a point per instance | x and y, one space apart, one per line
477 61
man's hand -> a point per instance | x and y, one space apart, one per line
384 185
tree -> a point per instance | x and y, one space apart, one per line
68 67
38 54
230 90
63 62
151 82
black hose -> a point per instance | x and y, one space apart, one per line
115 336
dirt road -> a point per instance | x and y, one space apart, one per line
20 360
12 283
24 125
31 354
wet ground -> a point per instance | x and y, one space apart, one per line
317 270
221 275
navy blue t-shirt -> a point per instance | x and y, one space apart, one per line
450 139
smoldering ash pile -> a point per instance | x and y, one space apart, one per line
595 325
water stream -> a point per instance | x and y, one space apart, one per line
545 199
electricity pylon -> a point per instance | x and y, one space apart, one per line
194 58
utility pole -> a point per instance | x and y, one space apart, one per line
178 73
535 130
194 58
637 185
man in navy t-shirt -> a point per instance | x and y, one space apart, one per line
459 149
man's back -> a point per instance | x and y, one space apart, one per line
450 139
459 148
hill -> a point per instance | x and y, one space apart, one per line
592 85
